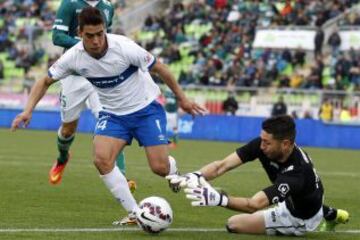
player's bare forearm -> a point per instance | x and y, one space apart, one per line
37 92
249 205
218 168
212 170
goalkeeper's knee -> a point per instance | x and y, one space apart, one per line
229 229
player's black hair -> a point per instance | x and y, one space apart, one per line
281 127
90 16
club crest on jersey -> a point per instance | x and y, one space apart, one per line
147 58
283 189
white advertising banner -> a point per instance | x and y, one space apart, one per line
350 40
292 39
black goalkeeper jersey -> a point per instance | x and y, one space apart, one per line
294 181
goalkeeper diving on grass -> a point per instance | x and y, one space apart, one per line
296 190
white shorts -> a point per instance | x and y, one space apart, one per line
279 219
171 119
76 95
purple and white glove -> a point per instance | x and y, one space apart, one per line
204 194
184 180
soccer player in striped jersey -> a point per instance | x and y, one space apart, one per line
77 93
119 69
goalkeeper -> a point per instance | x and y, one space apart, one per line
296 190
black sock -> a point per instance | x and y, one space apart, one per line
329 213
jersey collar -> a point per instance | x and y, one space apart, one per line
92 1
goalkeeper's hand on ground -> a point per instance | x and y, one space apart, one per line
186 179
204 194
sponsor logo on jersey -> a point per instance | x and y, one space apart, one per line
288 169
275 199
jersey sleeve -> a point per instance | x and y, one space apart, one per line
250 151
64 17
63 67
285 185
138 56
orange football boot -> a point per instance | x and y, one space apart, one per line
57 170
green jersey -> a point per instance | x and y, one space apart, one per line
65 27
171 105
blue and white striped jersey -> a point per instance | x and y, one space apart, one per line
120 77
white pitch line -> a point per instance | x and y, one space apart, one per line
127 229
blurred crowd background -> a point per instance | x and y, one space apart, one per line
208 45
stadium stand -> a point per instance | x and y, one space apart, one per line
209 47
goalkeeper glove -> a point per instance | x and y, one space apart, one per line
204 194
186 179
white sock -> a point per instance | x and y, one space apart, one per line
118 186
172 162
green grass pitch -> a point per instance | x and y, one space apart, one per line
82 208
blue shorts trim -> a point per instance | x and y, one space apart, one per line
147 126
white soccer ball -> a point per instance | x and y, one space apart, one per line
155 214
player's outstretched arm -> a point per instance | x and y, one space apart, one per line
218 168
37 92
188 106
257 202
204 194
209 172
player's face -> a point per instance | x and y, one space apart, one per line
271 147
94 40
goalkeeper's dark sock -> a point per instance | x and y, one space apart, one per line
63 145
329 213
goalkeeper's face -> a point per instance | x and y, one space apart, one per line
273 148
94 40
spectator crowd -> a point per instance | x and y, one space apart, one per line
223 55
215 37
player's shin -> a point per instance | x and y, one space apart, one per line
118 186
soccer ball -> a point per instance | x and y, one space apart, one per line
155 214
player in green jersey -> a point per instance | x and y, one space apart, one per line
171 108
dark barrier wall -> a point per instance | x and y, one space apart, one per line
215 127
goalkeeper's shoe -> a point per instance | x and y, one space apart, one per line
126 221
132 185
342 216
57 170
